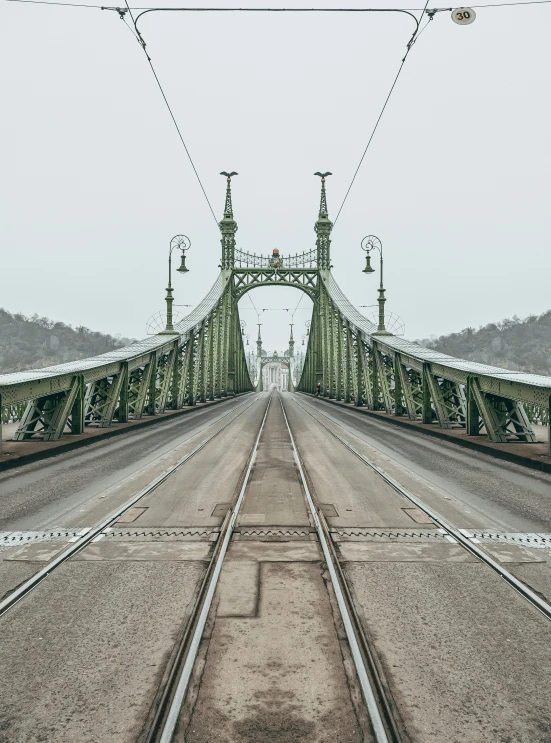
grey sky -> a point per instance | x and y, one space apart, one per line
95 181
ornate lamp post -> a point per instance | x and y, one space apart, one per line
369 243
183 243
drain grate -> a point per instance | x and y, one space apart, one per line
529 539
390 535
161 535
275 534
18 538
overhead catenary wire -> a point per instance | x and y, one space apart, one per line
142 44
409 48
417 33
271 10
254 307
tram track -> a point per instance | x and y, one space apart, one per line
381 707
452 532
163 717
166 709
384 715
96 531
181 686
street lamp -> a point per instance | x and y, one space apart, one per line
369 243
183 243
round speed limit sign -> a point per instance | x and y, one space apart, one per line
463 16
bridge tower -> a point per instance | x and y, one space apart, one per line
351 358
259 384
323 229
228 228
290 384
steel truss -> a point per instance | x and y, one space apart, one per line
204 359
369 369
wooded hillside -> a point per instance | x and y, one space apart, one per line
34 342
522 345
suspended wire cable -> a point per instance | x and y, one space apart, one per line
273 10
49 2
142 44
371 137
504 5
296 308
129 27
251 301
417 33
431 17
409 48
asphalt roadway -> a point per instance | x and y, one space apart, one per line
465 656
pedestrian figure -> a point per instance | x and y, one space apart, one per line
318 390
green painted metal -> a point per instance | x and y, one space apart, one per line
203 358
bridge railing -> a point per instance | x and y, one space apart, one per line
307 259
385 372
165 371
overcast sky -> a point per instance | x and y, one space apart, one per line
95 181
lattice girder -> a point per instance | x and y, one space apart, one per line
246 279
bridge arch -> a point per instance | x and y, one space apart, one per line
348 358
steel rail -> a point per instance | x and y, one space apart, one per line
514 582
95 531
185 675
367 690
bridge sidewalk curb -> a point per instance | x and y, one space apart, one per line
53 448
488 448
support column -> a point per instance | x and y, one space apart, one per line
212 382
201 358
398 405
175 377
219 316
359 371
196 385
407 391
375 390
473 416
77 411
349 393
435 392
322 346
123 395
114 394
426 409
186 383
151 404
226 345
339 393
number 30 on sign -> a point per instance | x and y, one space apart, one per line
463 16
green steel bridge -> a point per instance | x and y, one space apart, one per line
202 358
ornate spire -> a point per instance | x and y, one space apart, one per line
323 227
259 339
228 226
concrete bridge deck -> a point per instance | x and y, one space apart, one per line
85 653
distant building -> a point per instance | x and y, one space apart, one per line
275 374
